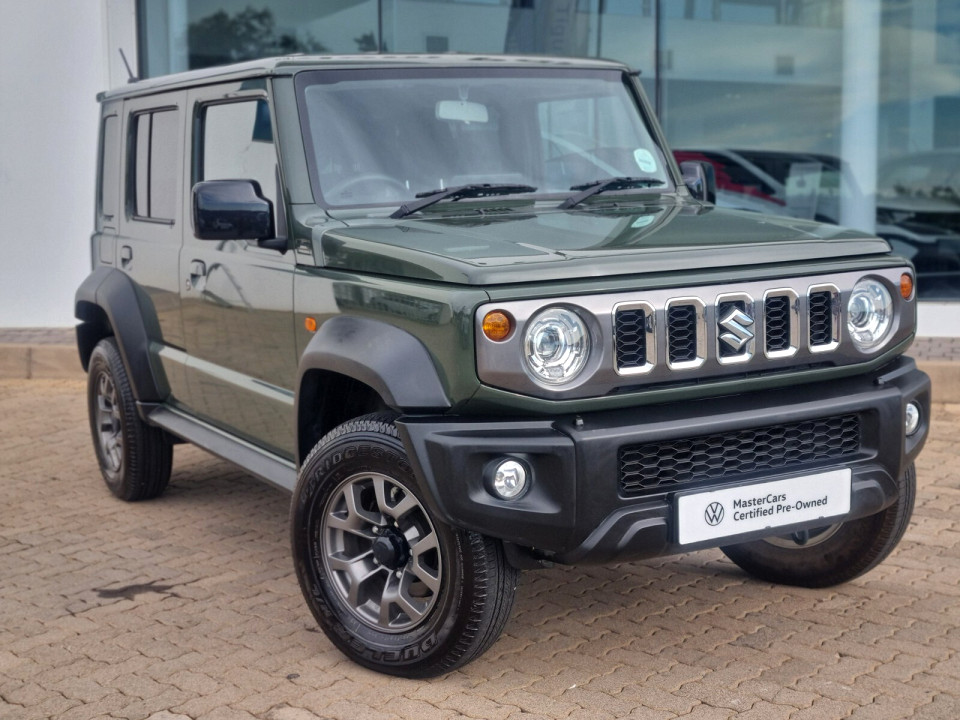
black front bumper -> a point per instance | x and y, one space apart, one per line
577 510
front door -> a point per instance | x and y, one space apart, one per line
237 297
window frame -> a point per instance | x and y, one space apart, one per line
132 168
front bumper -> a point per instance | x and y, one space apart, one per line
576 508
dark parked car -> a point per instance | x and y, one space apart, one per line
918 208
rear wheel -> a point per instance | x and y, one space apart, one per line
393 587
135 458
831 554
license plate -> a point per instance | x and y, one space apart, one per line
747 508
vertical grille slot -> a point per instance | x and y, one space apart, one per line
631 335
821 318
776 323
682 333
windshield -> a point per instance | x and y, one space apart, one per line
379 137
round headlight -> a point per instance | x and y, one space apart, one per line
869 314
556 345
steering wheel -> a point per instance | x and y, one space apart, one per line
342 187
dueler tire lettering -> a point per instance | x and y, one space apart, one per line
392 587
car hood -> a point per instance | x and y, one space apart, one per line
593 241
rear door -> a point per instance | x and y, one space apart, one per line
149 222
237 298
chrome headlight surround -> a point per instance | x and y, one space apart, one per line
869 314
556 346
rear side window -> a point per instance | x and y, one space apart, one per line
153 171
109 190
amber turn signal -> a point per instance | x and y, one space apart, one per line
497 325
310 324
906 286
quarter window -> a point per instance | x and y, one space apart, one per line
109 190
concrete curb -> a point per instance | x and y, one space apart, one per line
40 361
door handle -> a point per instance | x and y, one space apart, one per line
198 274
126 256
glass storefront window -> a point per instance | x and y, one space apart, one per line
843 111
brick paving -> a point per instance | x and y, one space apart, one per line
186 607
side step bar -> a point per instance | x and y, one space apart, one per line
266 466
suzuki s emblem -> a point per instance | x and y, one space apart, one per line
738 334
713 514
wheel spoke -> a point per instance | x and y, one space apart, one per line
387 494
357 573
351 523
415 608
351 496
425 575
397 592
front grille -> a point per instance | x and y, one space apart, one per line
669 463
776 318
631 337
700 332
821 317
682 333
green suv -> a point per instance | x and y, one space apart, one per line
471 313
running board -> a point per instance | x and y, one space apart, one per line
266 466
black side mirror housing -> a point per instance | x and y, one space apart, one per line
231 210
700 179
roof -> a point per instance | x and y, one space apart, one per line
288 65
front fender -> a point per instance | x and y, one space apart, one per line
389 360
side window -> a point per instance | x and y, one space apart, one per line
236 143
153 173
108 194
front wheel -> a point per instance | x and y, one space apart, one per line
392 587
831 554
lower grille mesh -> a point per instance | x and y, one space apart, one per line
663 465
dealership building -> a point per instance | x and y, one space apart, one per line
843 111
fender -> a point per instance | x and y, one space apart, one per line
109 303
395 364
388 359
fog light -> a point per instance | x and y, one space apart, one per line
509 479
911 418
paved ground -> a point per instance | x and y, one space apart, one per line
186 607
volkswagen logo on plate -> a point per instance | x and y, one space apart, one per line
713 514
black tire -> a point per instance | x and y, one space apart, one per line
413 613
135 458
833 554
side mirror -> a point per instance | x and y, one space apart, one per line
700 179
231 210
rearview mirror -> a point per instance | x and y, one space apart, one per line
700 179
462 111
231 210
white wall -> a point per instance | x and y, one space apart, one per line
51 68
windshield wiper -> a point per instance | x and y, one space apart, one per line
598 186
455 193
